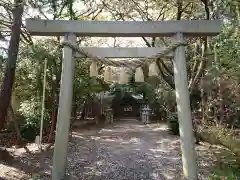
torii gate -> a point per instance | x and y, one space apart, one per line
175 29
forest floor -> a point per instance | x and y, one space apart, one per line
124 150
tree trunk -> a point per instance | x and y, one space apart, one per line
16 125
55 90
53 122
221 102
6 89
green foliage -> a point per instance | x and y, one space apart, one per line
29 82
31 111
173 124
228 173
36 177
166 97
229 42
118 90
29 132
227 160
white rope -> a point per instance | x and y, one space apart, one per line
98 59
132 63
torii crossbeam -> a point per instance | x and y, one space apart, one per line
175 29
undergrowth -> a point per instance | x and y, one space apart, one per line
228 173
227 166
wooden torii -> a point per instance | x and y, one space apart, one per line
175 29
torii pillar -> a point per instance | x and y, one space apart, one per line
184 112
64 111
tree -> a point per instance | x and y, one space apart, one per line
6 89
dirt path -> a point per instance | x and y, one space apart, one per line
126 150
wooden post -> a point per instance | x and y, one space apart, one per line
43 104
64 112
184 113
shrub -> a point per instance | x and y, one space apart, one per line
31 111
29 132
173 124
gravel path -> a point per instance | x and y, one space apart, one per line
125 150
128 150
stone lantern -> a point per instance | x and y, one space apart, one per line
145 114
109 115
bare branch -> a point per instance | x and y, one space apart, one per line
166 78
166 68
100 11
146 41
